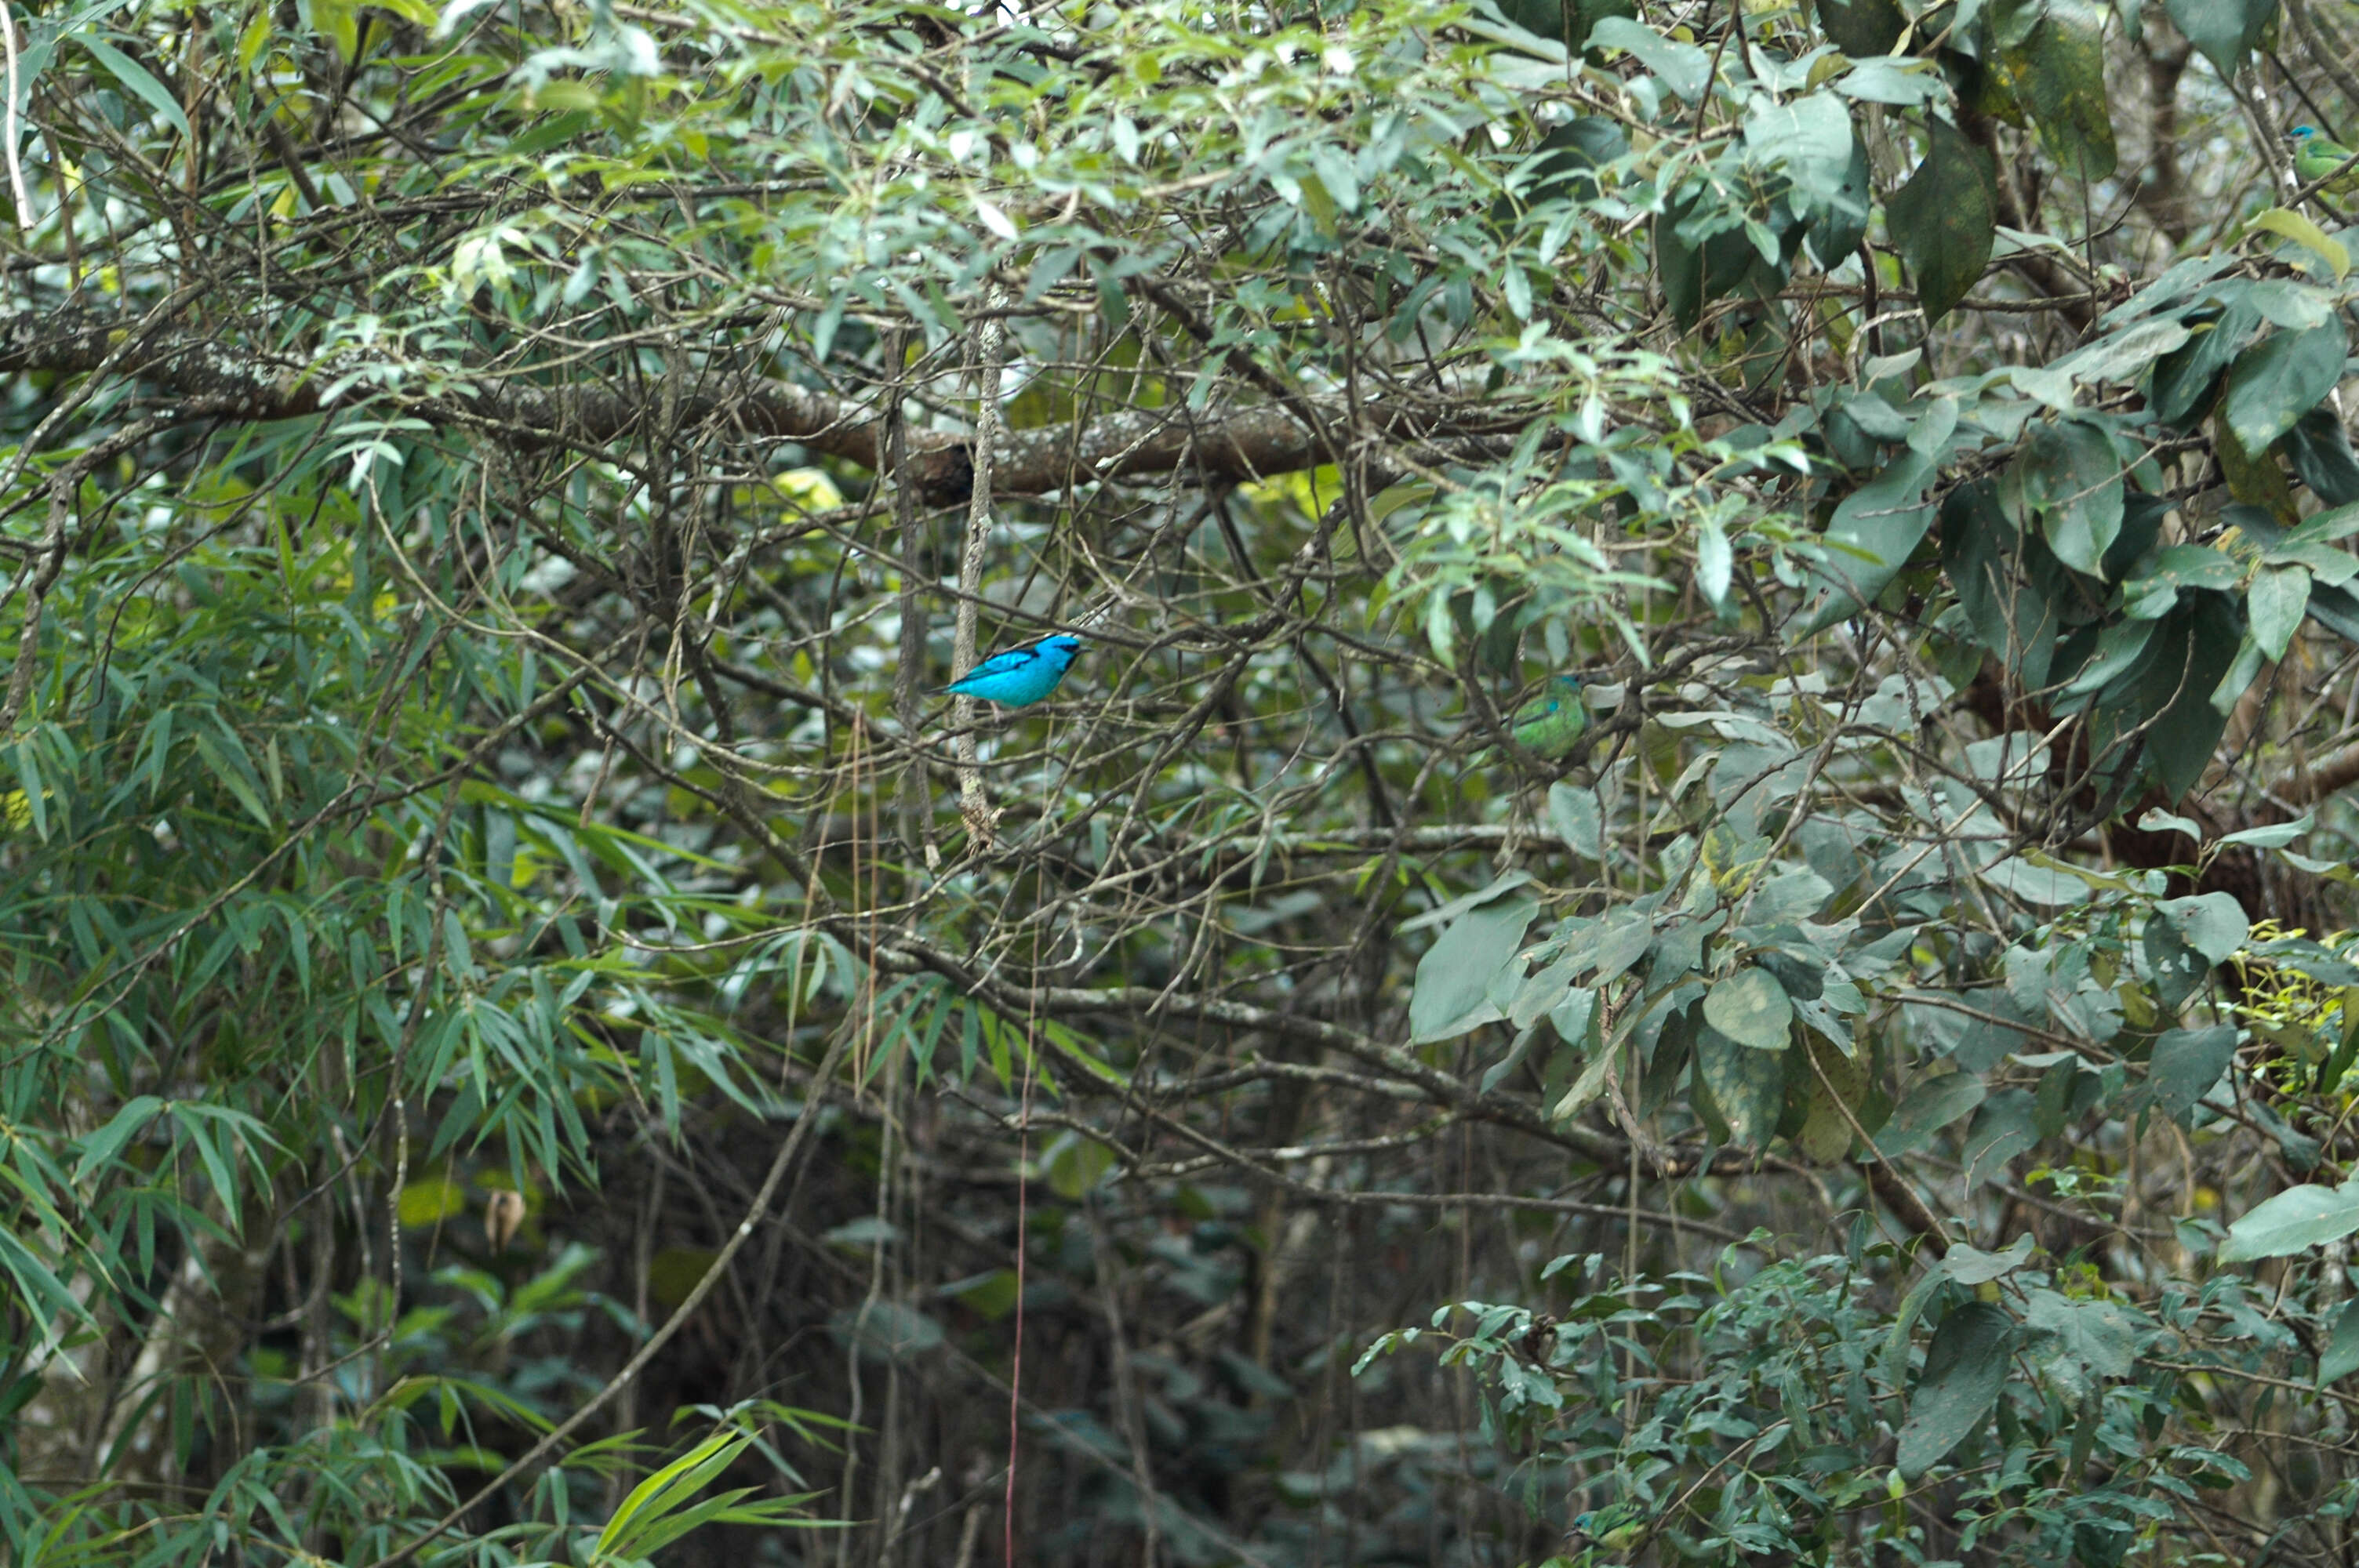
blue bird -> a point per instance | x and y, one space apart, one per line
1023 674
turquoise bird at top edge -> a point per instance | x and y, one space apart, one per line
1023 674
2317 157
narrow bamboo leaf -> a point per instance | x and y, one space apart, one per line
136 77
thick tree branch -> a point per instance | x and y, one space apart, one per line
1240 444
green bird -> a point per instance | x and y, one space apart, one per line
2316 158
1617 1526
1549 724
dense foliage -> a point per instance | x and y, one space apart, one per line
532 1031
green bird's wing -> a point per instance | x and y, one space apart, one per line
1549 725
2315 158
1616 1526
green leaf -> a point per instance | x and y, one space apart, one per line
1442 914
1454 979
1684 67
2279 599
2183 378
1965 1366
666 1490
1743 1087
1618 939
136 77
1973 1265
2007 609
2225 30
2122 355
1560 166
100 1147
1933 1103
2003 1128
1585 1088
2341 1357
2280 379
423 1205
1837 227
2239 679
2176 969
2072 477
1696 271
2060 75
2212 923
1575 815
2320 450
1751 1008
992 1294
2097 1338
230 765
2186 1063
2192 651
2119 648
1874 531
1810 139
36 1282
1543 990
885 1331
1789 896
2336 609
2294 1221
1863 28
1943 220
2289 224
1837 1088
2271 835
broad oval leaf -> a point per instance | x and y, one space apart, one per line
2225 30
1863 29
1932 1105
2294 1221
1751 1008
1685 69
1965 1366
1944 220
1743 1088
2279 599
2072 477
1872 534
2212 922
1452 994
2060 74
2275 383
2185 1065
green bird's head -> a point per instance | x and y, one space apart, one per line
1560 691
